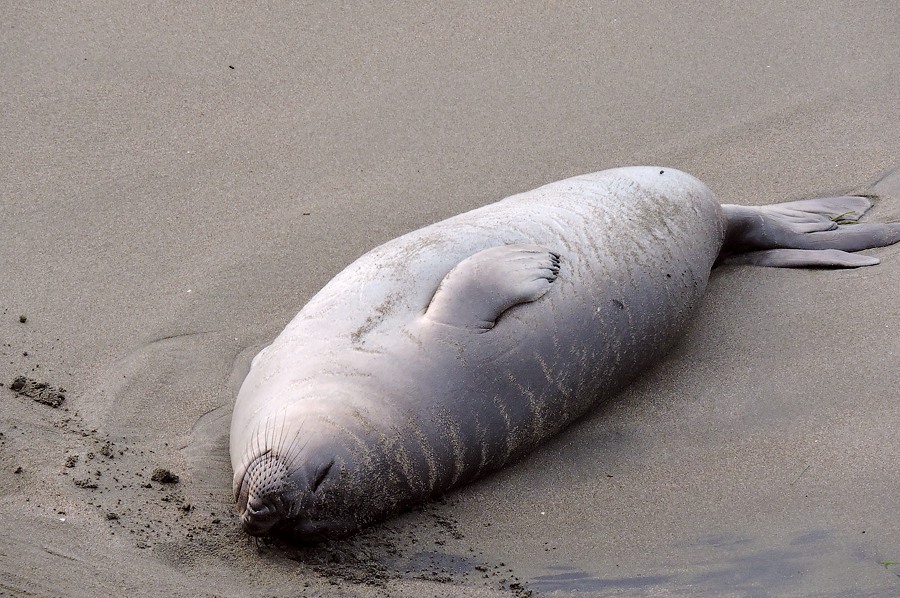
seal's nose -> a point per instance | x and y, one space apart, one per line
259 517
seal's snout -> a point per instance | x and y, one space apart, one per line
259 516
260 495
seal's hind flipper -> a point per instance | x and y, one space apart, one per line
844 209
761 235
803 258
483 286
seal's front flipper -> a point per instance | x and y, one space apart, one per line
814 225
483 286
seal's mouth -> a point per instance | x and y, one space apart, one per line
260 515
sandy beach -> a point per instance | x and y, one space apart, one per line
178 180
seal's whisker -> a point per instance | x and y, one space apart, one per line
266 440
282 433
296 451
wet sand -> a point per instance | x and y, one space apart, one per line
177 182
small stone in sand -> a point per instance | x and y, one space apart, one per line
164 476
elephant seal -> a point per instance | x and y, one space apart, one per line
457 348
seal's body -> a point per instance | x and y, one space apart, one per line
455 349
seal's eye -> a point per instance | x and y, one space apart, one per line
320 477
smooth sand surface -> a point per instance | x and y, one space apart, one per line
177 181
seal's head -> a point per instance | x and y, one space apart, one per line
280 494
311 468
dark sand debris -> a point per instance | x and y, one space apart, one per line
41 392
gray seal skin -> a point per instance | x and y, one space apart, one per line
455 349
